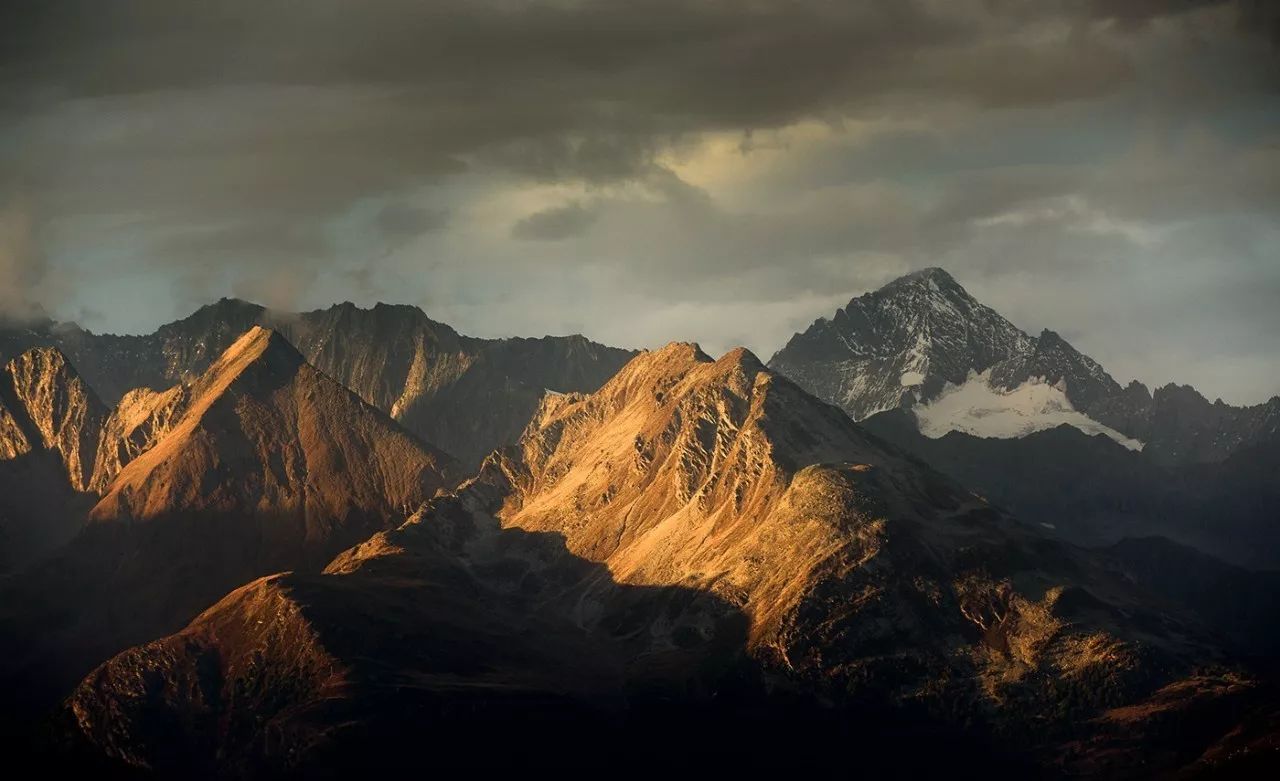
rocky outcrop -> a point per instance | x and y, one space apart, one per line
61 412
49 424
1056 362
140 419
900 344
1183 427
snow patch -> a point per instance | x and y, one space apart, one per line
974 407
911 379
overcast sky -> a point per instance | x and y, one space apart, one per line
640 171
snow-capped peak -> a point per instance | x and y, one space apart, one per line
900 344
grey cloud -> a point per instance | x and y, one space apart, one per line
281 287
555 224
362 150
398 221
22 264
251 240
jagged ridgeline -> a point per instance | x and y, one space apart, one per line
239 548
463 394
1041 429
922 342
697 541
261 464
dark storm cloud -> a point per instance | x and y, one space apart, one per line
302 152
254 239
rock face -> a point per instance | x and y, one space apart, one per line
265 435
903 342
49 423
1183 427
922 337
1055 362
696 528
58 410
465 395
262 464
137 423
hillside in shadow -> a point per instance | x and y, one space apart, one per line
462 646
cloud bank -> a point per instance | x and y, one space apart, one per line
646 171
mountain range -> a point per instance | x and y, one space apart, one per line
695 526
257 544
464 394
1039 428
261 464
923 343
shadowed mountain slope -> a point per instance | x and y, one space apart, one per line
1091 491
49 426
269 466
775 531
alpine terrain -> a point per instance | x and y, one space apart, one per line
262 464
1040 429
698 534
463 394
923 343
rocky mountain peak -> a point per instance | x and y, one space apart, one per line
59 412
742 358
1173 393
49 433
931 278
258 347
922 336
467 395
1138 390
1050 340
134 426
223 314
263 430
900 344
1053 360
